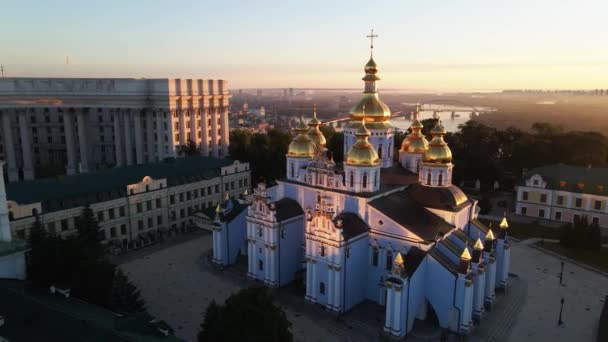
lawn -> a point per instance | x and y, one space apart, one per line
527 230
597 259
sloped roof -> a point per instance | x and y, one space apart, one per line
352 225
591 178
449 198
413 259
443 260
287 208
77 190
403 209
237 208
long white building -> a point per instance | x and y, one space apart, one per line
76 125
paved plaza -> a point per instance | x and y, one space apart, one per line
178 284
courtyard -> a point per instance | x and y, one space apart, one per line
178 284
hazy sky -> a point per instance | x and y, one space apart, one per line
430 44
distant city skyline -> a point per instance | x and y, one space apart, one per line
431 45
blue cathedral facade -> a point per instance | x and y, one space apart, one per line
396 233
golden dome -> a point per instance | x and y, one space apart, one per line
371 67
438 151
301 146
415 142
362 153
375 109
315 133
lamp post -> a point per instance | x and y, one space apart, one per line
561 309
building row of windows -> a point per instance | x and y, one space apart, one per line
542 213
560 200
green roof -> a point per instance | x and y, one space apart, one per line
14 246
594 180
31 315
77 190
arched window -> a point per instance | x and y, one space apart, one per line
365 180
293 170
440 179
380 151
428 179
352 179
322 288
260 265
389 260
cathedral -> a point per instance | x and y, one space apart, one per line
392 230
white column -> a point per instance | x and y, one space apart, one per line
214 127
397 311
128 141
330 286
70 142
26 147
308 278
139 138
216 245
118 149
182 126
5 228
249 256
273 262
267 266
83 140
150 137
160 122
338 290
9 147
389 308
225 128
205 129
193 135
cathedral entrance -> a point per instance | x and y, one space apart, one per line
426 323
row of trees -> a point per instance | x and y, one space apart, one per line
78 262
581 234
485 153
480 152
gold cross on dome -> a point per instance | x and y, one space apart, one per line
371 37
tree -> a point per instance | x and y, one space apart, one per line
249 315
40 256
336 146
485 205
189 150
89 235
125 296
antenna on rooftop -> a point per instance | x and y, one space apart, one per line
2 70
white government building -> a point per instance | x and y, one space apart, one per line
77 125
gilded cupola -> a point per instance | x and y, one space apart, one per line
301 146
438 151
362 153
415 142
377 113
314 132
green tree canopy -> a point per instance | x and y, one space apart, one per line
249 315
